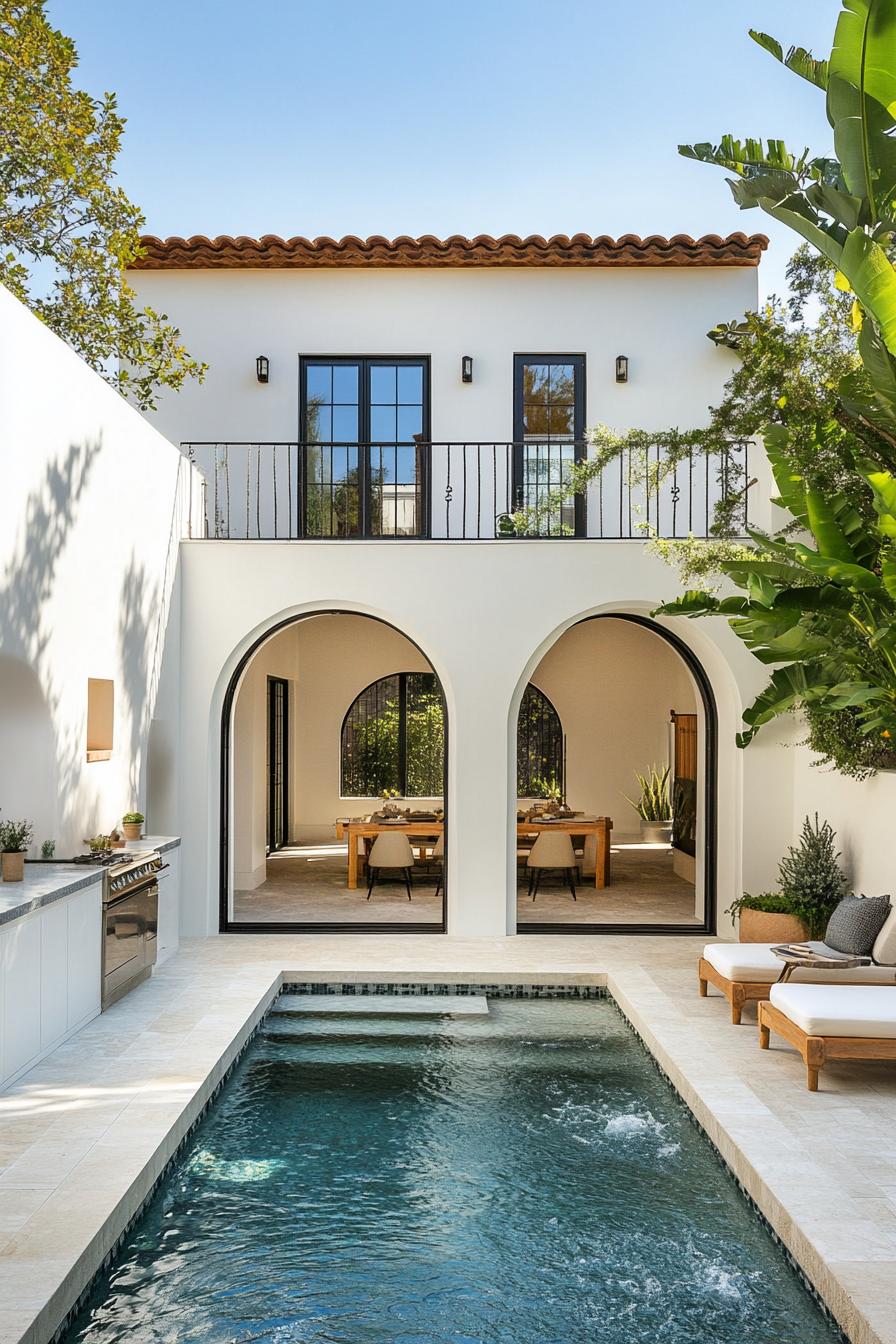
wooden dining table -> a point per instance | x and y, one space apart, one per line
600 827
369 830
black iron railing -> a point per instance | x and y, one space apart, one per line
460 491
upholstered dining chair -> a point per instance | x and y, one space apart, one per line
438 857
552 850
391 850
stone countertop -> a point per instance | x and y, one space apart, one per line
44 883
157 842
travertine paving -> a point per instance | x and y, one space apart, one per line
85 1134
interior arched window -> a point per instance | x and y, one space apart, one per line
540 771
393 737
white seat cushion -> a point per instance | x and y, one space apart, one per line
756 963
838 1010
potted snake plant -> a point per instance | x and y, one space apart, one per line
15 840
654 805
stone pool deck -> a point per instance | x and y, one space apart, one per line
85 1134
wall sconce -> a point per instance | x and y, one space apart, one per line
622 368
466 369
262 368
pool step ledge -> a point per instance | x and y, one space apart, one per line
413 1005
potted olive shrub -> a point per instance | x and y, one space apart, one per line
132 825
15 839
654 806
810 884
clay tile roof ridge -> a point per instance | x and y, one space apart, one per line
222 252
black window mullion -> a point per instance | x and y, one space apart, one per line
403 733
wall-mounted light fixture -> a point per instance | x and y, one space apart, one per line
466 369
262 368
622 368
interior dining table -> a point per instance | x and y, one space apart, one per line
369 830
599 827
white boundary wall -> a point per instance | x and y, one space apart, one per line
93 503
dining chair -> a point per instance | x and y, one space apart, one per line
438 857
391 849
552 850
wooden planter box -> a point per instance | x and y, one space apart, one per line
759 926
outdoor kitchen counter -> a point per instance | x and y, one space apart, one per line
44 883
161 843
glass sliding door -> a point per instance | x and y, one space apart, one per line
364 425
549 433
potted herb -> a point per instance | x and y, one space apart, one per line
15 839
654 806
132 825
48 849
811 884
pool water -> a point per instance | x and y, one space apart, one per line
525 1178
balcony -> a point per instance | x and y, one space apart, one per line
458 491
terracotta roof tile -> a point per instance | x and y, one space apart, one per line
200 253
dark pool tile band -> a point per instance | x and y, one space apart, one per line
507 991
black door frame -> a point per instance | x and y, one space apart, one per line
580 528
278 748
225 923
710 765
364 363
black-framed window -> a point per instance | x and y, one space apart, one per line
540 763
365 424
393 737
277 764
549 434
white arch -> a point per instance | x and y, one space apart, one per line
230 678
728 704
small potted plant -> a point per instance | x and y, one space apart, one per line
654 806
811 884
15 839
132 825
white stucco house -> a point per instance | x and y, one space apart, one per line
346 564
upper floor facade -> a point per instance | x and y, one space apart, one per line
425 388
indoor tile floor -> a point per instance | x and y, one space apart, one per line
307 885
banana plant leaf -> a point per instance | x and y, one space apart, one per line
800 61
883 489
861 91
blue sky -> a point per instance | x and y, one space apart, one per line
490 117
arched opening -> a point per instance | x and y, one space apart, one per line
334 733
624 840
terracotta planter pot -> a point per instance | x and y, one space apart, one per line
758 926
132 829
13 866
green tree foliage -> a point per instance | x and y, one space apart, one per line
824 615
67 232
811 876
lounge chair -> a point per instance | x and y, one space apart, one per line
744 972
828 1022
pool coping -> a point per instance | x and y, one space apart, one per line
725 1108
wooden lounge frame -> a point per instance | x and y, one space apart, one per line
737 992
817 1050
